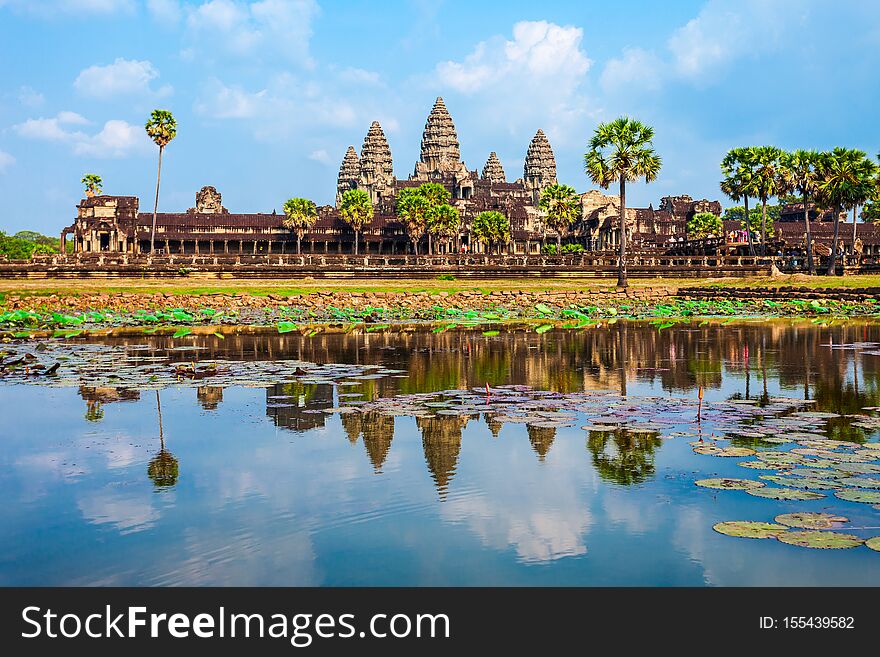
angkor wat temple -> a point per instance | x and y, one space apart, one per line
115 223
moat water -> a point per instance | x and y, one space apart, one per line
383 459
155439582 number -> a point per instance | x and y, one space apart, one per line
818 622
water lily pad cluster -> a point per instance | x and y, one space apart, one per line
806 529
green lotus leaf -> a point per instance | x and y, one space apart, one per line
749 529
874 543
785 494
810 520
729 483
815 473
802 482
762 465
820 540
858 468
861 482
857 495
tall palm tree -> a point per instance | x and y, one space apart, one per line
443 221
561 205
435 195
357 210
492 228
93 183
161 128
800 172
844 177
864 192
737 169
622 150
768 180
300 214
412 209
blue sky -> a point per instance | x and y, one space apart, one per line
269 94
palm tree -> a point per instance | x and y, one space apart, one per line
357 210
412 209
561 205
161 128
435 195
768 180
491 227
622 150
844 177
864 192
800 172
443 221
93 183
300 214
737 169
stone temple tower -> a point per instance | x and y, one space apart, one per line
493 171
540 168
441 155
376 171
349 174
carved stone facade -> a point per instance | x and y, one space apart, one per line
376 169
492 170
539 171
349 173
208 201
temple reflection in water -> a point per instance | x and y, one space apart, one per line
806 361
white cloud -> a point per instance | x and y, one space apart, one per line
116 138
124 77
321 155
6 161
257 29
542 60
29 97
166 11
636 67
219 101
360 76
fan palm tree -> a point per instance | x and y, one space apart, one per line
357 210
300 214
800 172
93 183
161 128
622 150
737 169
844 177
767 180
561 205
864 192
412 210
435 195
443 221
492 228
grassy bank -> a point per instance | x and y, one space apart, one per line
296 287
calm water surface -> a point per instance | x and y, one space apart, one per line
257 485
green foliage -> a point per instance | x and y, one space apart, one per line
161 127
427 208
444 220
703 224
561 206
622 149
567 249
356 208
871 211
93 183
26 243
491 227
737 213
300 214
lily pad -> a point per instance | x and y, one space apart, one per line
810 520
858 468
762 465
803 482
729 484
820 540
749 529
785 494
874 543
861 482
856 495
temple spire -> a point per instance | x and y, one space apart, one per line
539 171
376 170
349 173
440 148
493 171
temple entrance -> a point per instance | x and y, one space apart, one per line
104 242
